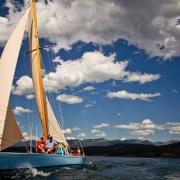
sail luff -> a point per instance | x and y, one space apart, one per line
8 63
40 96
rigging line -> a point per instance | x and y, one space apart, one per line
43 65
61 112
29 124
51 98
58 102
53 44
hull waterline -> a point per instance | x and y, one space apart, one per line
12 161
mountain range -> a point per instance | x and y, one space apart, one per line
104 147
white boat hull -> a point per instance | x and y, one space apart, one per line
11 161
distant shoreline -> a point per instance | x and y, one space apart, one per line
135 150
102 147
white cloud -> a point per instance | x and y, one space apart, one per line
99 135
70 131
96 131
66 22
57 60
67 131
88 105
27 137
70 138
143 133
81 135
23 86
93 67
143 129
145 124
173 128
102 125
133 96
147 127
89 88
30 96
69 99
76 129
21 110
142 78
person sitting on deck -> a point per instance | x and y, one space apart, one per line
50 145
41 145
78 151
60 149
66 148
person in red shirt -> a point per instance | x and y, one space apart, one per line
41 145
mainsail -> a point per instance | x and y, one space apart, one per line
49 121
7 69
35 58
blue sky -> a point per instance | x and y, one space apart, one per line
143 102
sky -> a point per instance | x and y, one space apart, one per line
113 71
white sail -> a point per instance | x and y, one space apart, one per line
54 127
49 122
7 69
12 133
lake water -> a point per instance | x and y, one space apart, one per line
111 168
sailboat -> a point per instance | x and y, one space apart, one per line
10 132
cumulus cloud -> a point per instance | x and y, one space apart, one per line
100 135
102 125
67 131
143 129
23 86
93 67
69 99
28 137
147 127
173 128
154 29
96 131
143 133
145 124
141 78
81 135
132 96
30 96
21 110
89 88
71 130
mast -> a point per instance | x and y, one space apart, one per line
42 107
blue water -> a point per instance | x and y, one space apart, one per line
111 168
